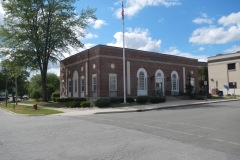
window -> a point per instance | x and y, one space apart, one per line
62 87
69 85
232 85
159 83
75 86
231 66
82 84
112 85
142 82
175 83
112 82
94 83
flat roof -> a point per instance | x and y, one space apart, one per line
224 57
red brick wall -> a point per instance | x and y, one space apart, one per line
104 56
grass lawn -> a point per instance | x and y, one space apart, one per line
46 104
21 109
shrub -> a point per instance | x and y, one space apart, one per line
121 100
142 99
155 99
114 100
102 103
56 99
73 104
55 95
198 97
162 99
130 99
85 104
36 94
64 100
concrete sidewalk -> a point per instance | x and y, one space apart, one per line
136 108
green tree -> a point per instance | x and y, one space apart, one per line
53 83
189 87
203 74
39 31
14 77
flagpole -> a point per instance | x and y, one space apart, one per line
124 67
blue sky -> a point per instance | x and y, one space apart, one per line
191 28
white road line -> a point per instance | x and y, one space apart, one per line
185 124
160 128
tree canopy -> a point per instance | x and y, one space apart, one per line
10 73
53 83
37 32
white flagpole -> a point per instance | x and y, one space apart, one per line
124 67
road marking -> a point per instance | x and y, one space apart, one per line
185 124
171 130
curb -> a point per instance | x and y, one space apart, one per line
167 107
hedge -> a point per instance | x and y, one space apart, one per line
85 104
55 96
142 99
130 100
102 103
64 100
73 104
155 99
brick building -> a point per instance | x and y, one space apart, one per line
98 72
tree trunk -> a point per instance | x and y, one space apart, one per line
16 91
44 84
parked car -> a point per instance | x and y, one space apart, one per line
2 96
25 97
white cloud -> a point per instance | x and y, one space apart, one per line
204 19
73 51
55 68
1 14
90 36
55 71
230 31
137 39
234 49
174 51
99 23
201 49
134 6
214 35
232 19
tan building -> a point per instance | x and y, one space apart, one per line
224 73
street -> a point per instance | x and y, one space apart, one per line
201 132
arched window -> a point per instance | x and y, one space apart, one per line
142 82
75 84
175 83
159 83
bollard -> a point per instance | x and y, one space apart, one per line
35 106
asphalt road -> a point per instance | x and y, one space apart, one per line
203 132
